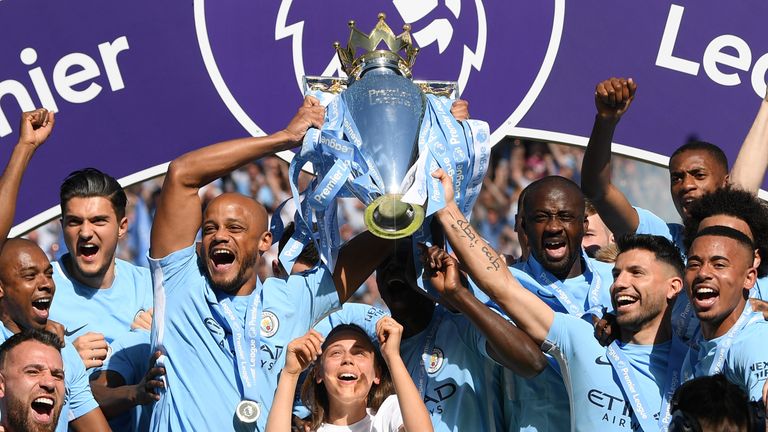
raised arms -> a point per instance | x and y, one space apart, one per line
612 98
489 272
179 213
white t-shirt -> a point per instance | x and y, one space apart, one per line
387 419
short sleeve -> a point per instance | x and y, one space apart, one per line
388 418
566 334
169 270
649 223
751 361
325 298
81 399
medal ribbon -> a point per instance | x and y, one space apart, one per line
629 384
592 304
245 338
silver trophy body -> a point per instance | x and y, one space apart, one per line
387 108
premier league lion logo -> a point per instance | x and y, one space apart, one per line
257 53
452 33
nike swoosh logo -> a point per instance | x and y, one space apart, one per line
599 360
70 333
543 294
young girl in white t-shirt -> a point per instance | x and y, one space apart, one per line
350 388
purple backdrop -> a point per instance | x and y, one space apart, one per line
138 83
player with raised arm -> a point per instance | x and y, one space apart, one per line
209 303
625 386
26 279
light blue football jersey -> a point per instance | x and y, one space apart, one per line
110 311
597 399
541 403
451 368
202 384
649 223
746 361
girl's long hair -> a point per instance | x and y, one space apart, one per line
315 396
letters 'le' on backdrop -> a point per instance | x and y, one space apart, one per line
139 83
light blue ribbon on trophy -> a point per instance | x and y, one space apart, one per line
451 145
340 165
545 278
246 341
629 384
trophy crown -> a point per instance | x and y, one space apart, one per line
354 67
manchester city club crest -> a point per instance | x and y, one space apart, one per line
435 361
269 324
473 42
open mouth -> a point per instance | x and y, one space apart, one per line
555 249
705 297
623 301
43 409
222 258
87 250
348 377
41 306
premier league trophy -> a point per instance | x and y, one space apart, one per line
383 135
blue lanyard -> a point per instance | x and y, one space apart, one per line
627 377
245 338
723 345
545 278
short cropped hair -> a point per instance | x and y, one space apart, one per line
724 231
662 249
42 336
90 182
716 152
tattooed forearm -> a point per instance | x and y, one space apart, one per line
469 233
465 230
493 259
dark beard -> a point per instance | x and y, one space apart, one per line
238 281
19 419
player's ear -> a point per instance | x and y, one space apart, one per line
122 228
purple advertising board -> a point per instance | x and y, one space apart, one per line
138 83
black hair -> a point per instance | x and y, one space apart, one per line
42 336
663 249
714 403
90 182
737 203
724 231
716 152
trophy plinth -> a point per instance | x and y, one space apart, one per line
391 218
